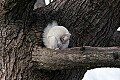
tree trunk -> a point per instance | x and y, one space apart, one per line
91 23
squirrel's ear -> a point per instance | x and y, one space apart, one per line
68 34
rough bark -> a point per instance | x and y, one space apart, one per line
15 48
115 40
73 58
91 23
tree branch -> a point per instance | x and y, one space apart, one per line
76 57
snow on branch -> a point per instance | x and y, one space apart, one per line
76 57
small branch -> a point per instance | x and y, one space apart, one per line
76 57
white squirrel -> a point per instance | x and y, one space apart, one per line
56 37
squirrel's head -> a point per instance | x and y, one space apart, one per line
65 38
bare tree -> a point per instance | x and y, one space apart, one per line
91 23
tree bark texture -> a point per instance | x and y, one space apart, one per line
91 23
73 58
15 49
115 40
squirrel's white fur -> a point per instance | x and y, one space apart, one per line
56 37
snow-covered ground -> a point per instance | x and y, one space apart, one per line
102 74
118 29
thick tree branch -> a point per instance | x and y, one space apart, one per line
76 57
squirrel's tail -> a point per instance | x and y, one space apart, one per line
46 31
